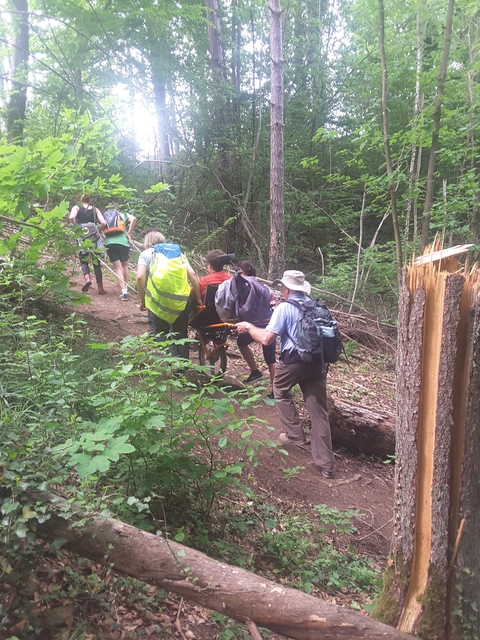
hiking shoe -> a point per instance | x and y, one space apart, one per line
255 375
270 396
124 296
88 283
284 439
326 473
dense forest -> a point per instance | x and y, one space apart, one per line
379 125
340 138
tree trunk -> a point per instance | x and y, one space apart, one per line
358 428
20 52
277 216
229 590
160 93
413 175
223 91
386 146
437 425
436 127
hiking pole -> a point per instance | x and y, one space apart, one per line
112 271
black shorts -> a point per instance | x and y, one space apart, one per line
244 339
118 252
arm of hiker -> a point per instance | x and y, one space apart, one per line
192 277
100 219
133 221
264 336
141 284
73 213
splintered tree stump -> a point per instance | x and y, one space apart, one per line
437 484
361 429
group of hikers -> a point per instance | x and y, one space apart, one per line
108 230
168 288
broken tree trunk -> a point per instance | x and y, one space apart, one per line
229 590
359 428
437 488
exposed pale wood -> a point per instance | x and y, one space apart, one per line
435 256
233 592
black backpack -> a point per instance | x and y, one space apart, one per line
318 336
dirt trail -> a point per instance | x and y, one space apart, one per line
360 482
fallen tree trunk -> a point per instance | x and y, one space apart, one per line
359 428
229 590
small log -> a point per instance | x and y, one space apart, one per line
359 428
229 590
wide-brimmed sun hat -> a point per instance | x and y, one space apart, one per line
294 280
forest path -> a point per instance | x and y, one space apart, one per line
361 482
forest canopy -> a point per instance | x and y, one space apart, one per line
380 125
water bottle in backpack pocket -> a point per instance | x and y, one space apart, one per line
332 341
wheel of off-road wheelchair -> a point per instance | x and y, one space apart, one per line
217 364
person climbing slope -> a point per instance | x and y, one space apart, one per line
88 217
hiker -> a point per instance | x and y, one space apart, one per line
164 278
249 272
292 370
117 241
216 273
88 216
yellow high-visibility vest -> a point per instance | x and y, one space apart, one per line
168 290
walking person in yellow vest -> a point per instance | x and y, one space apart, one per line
164 278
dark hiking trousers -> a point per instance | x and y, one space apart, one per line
179 328
84 266
313 384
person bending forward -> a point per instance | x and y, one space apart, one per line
292 370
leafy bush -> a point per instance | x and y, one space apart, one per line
299 548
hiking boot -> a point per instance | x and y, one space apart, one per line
88 283
284 439
124 296
270 396
326 473
101 290
255 375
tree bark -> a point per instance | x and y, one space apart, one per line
229 590
277 215
464 581
20 53
359 428
436 485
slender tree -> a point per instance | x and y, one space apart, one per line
20 53
277 215
436 126
386 145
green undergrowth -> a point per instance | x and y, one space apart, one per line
128 431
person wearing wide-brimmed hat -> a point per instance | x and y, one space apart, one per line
292 370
